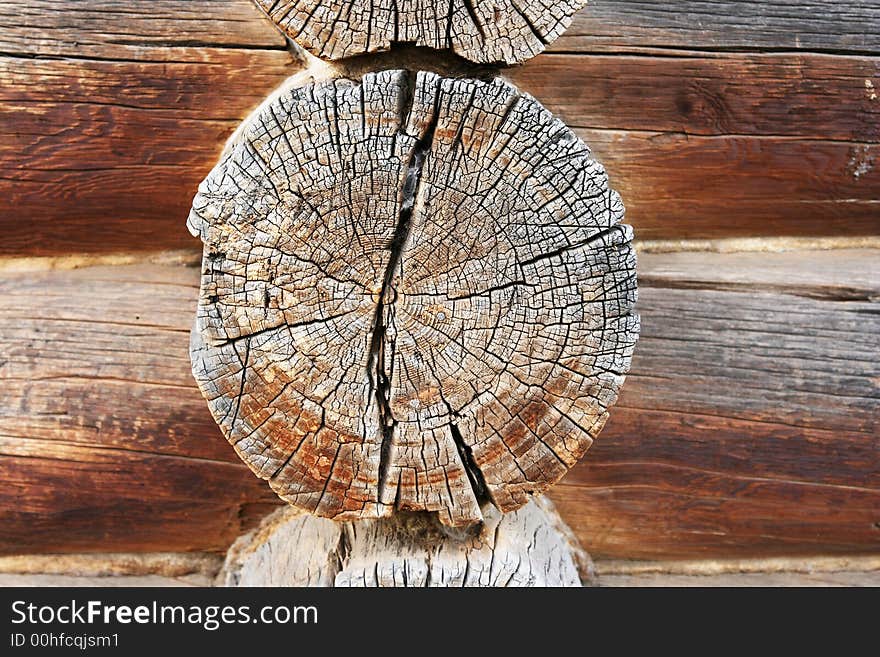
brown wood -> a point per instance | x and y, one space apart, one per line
110 153
109 118
747 427
685 187
739 145
752 412
106 443
710 95
136 31
841 26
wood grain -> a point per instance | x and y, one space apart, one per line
106 155
417 296
708 95
752 410
105 440
723 25
141 30
747 427
110 117
503 32
731 146
526 548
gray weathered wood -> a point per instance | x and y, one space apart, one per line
793 579
503 31
417 294
529 547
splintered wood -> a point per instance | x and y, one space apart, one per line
416 294
496 32
528 547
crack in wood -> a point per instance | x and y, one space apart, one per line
475 475
380 362
394 240
511 33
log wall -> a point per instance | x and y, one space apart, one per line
743 119
749 424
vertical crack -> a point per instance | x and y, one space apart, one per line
449 20
339 556
528 21
380 362
474 474
244 366
472 12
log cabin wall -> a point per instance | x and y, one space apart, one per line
744 138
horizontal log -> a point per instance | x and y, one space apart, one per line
102 26
840 26
104 156
748 426
760 95
677 186
727 146
106 29
106 442
109 118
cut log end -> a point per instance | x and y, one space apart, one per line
529 547
497 32
416 295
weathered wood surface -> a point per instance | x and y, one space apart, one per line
739 145
845 578
110 115
169 569
842 26
504 31
748 425
528 547
416 295
105 441
753 410
109 118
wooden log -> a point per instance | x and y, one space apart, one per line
102 431
724 25
109 118
528 547
747 428
707 95
505 31
416 295
751 380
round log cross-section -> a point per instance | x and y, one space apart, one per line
483 31
417 294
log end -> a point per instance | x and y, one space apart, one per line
502 32
417 295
